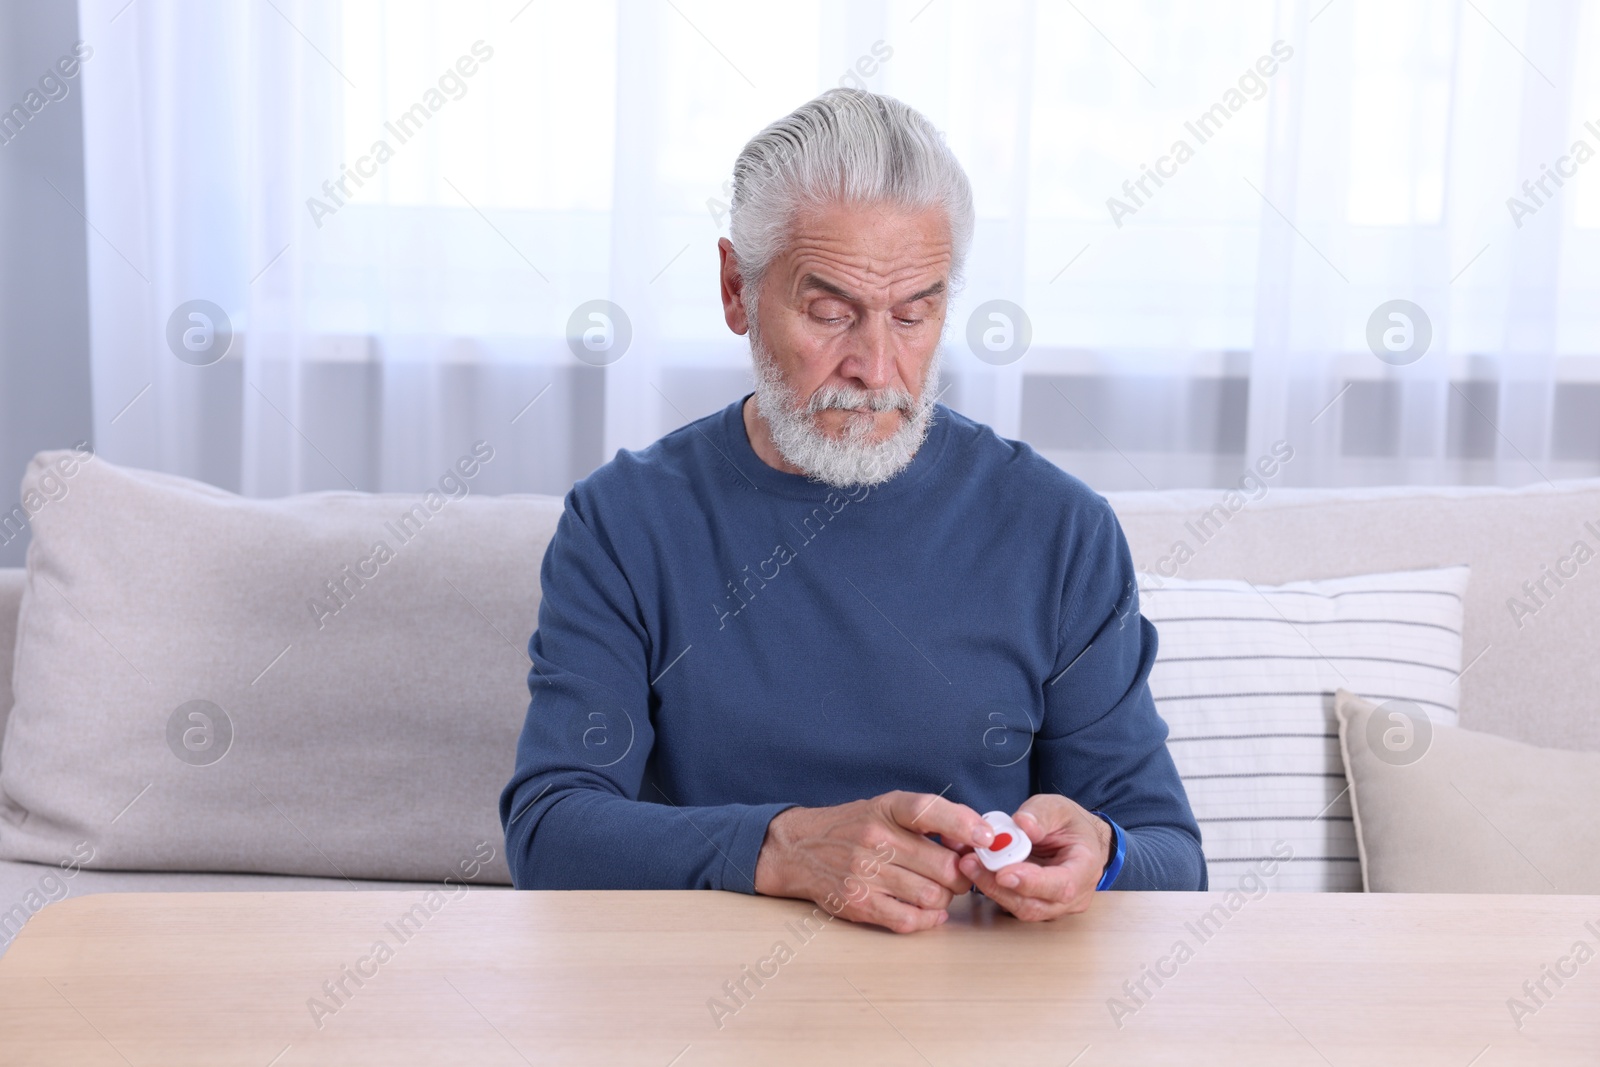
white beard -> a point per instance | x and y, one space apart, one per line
851 459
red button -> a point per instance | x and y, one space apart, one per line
1000 842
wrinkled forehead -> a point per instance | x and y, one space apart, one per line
868 253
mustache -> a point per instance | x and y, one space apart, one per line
847 397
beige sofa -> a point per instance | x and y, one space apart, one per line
1531 674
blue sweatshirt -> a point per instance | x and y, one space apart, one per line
719 640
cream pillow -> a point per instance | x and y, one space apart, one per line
209 682
1439 809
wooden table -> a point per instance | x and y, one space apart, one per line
631 978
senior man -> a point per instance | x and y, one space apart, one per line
796 647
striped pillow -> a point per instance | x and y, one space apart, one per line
1245 677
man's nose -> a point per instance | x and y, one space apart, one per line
870 359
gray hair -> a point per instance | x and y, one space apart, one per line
849 145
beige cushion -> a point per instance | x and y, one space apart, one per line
11 584
1530 677
1440 809
371 742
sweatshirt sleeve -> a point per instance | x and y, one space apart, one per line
573 813
1102 742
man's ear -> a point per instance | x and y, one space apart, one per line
733 309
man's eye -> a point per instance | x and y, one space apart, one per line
908 322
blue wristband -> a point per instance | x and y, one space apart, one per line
1120 839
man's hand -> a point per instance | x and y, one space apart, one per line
1071 848
870 860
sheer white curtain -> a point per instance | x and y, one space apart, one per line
401 209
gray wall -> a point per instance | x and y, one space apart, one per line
44 294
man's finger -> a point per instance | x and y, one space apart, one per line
1027 908
911 887
1042 893
883 910
929 813
929 859
1031 824
1042 814
1057 884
